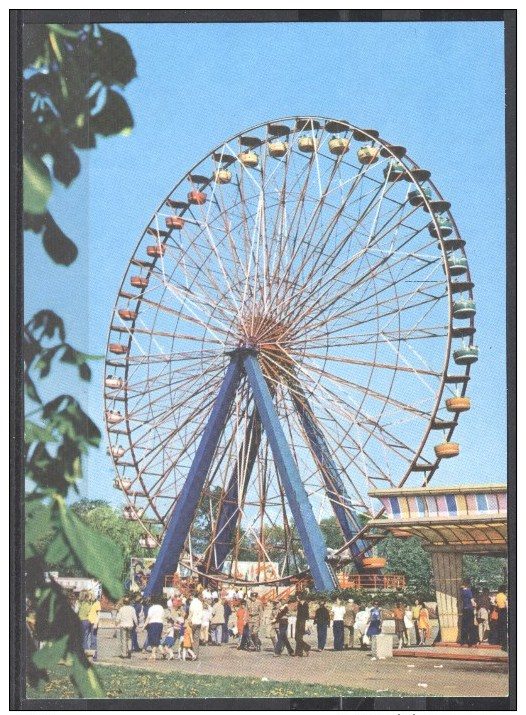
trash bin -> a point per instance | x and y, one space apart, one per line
382 646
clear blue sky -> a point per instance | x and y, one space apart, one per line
436 88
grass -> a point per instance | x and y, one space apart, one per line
130 683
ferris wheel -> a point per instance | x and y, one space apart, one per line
294 329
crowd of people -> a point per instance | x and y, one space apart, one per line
484 618
178 627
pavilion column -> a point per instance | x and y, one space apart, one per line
447 571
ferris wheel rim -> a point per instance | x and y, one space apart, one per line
448 278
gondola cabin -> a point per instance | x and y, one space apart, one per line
196 198
338 146
174 222
307 144
277 149
368 154
446 450
249 158
458 404
156 251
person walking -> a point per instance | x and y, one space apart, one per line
302 616
217 621
337 615
166 647
360 624
195 615
374 622
242 625
423 625
126 621
415 611
255 612
267 628
400 629
501 601
146 603
228 611
205 623
137 607
482 615
154 626
274 625
188 640
282 619
468 615
348 624
83 614
493 637
408 622
322 619
93 618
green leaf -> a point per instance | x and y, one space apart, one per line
50 323
85 678
51 653
116 62
36 433
97 554
59 247
85 372
115 116
59 552
37 185
37 526
31 391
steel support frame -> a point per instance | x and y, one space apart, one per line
308 528
334 486
229 507
188 501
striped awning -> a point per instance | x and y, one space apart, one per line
470 516
460 532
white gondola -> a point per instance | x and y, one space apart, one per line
132 514
113 382
147 542
113 417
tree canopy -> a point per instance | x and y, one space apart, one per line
72 77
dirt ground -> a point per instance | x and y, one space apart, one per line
352 668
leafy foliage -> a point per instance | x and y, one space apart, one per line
408 558
72 75
72 78
108 521
485 571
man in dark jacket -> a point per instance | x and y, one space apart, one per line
282 619
322 618
302 616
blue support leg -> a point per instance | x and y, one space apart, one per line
309 531
187 503
334 486
228 509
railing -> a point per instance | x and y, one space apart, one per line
371 581
366 582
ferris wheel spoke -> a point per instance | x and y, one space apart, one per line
367 419
327 280
365 314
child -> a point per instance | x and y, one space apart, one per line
188 641
169 640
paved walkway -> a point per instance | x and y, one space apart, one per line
348 669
